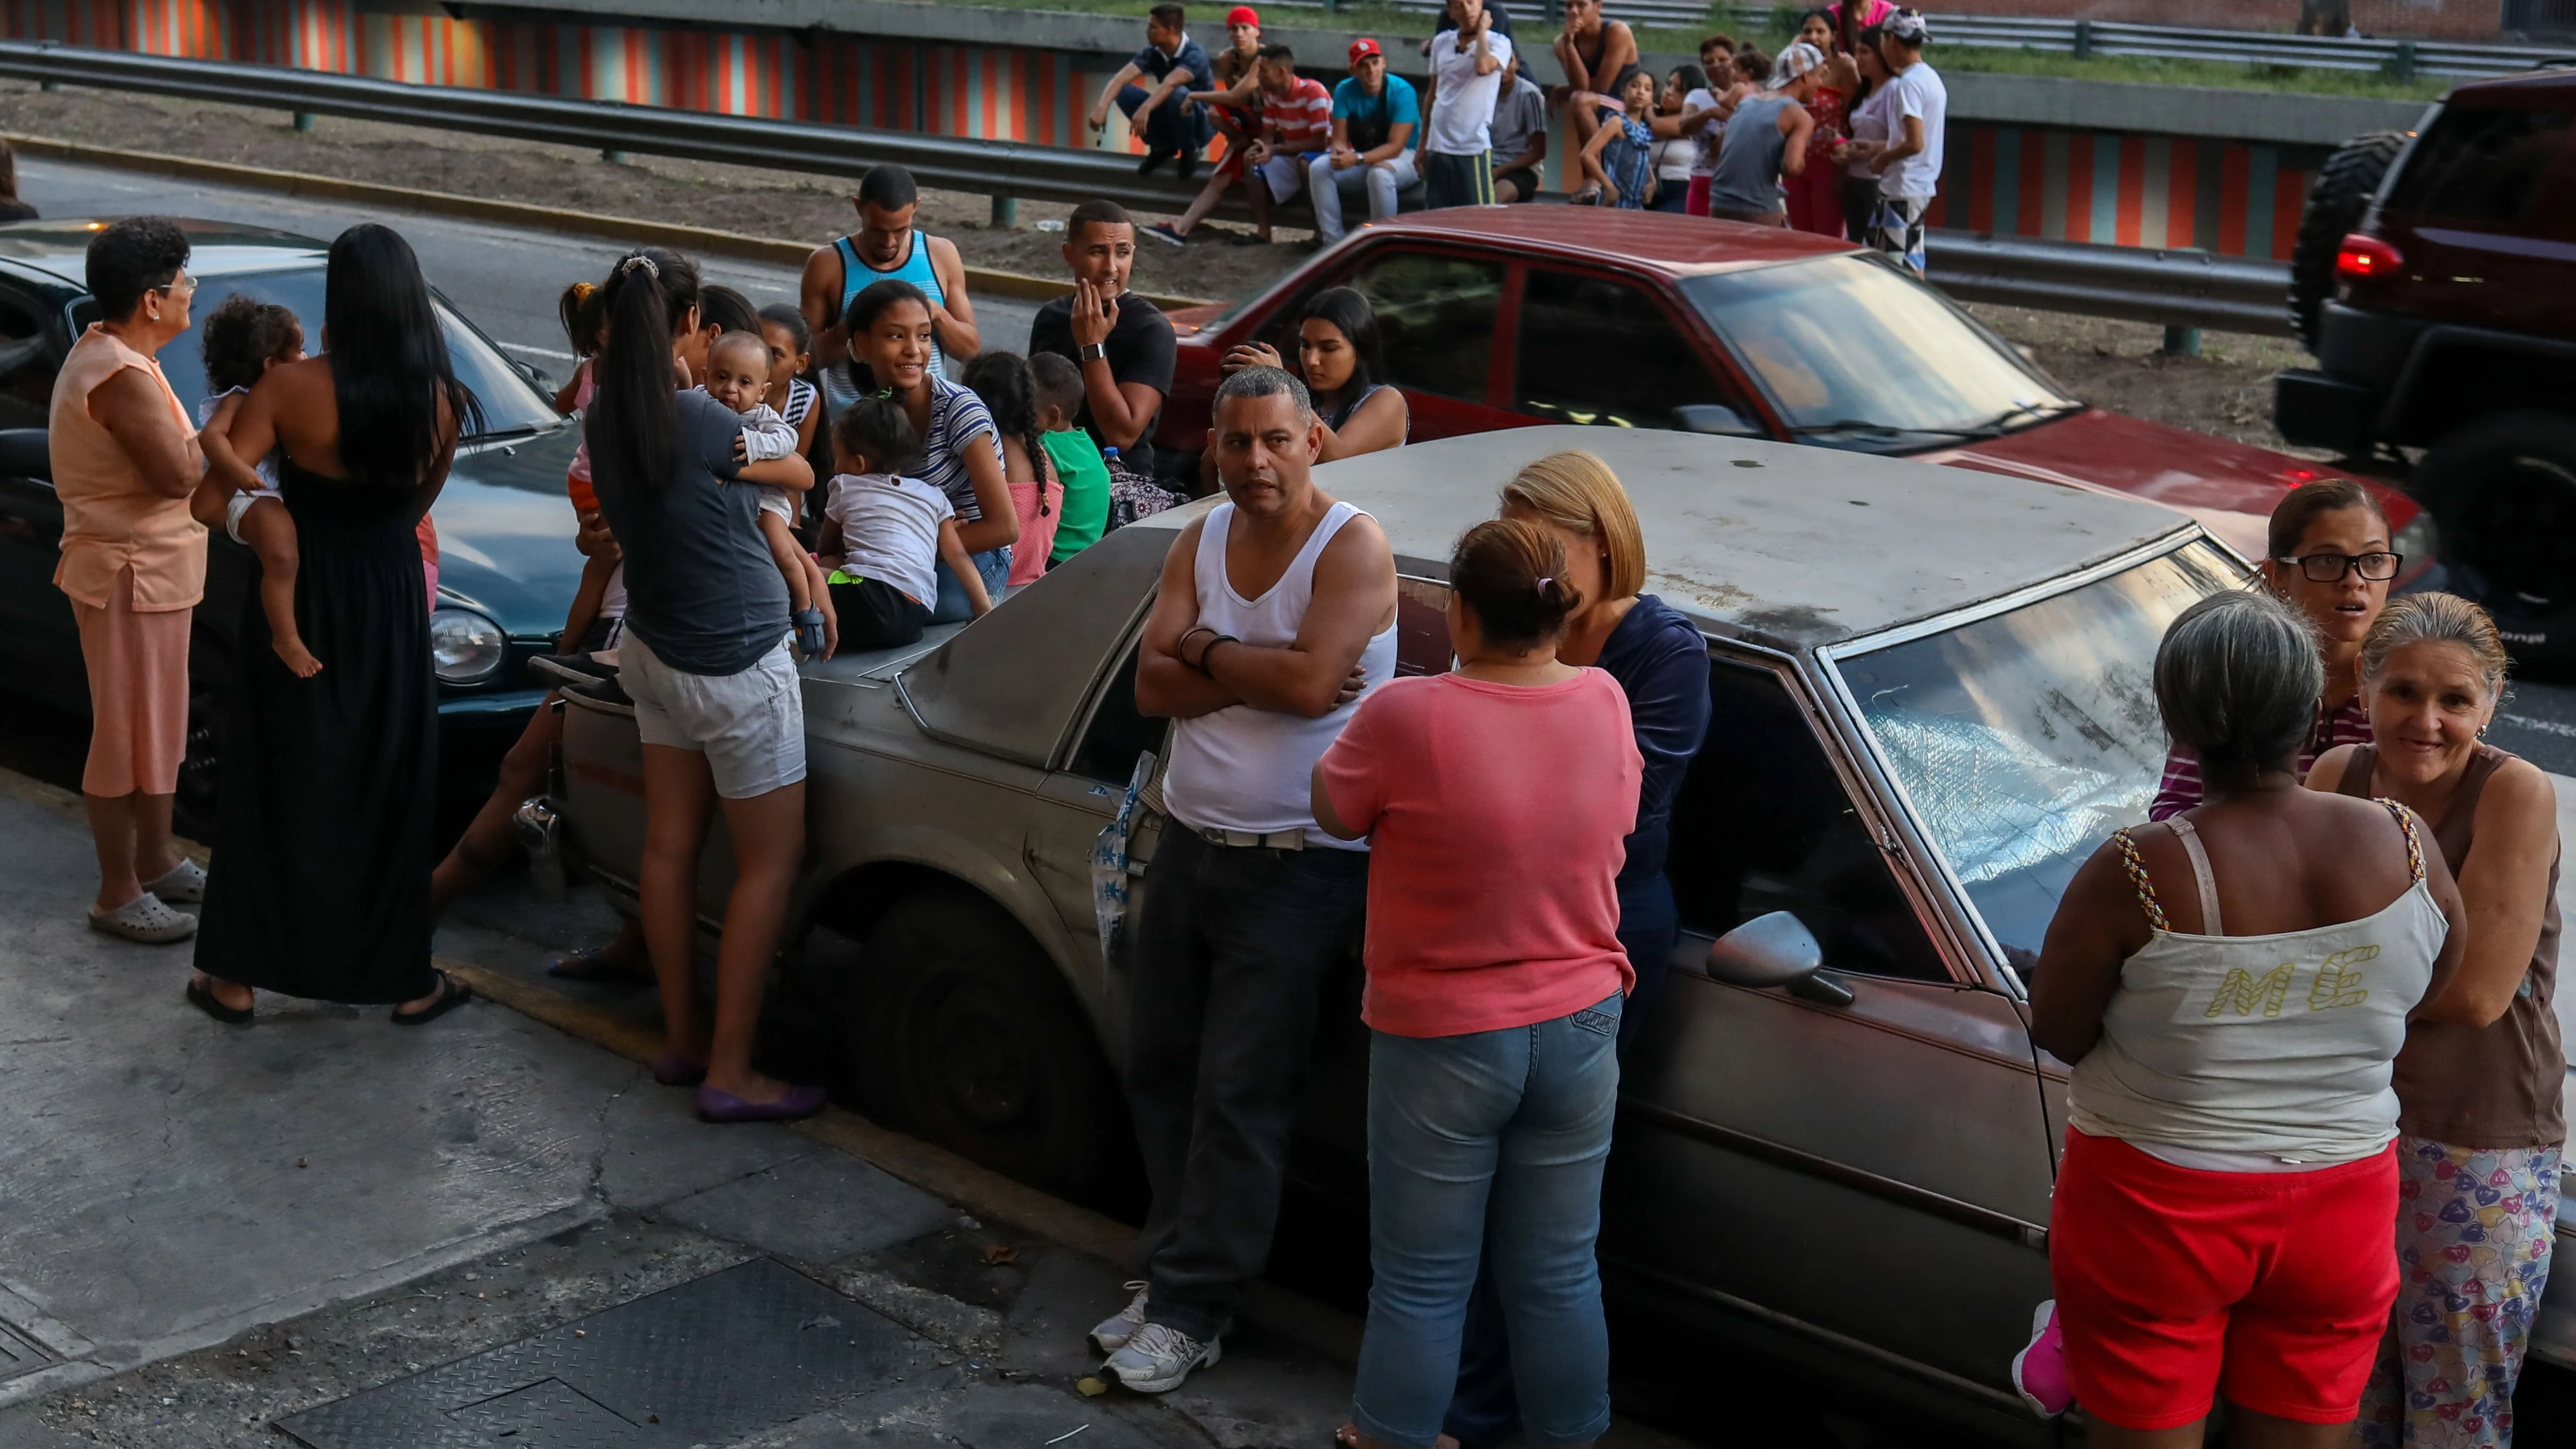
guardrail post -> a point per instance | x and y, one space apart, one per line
304 121
1006 212
2403 63
49 85
2182 342
2083 40
613 157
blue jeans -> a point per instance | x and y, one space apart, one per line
1176 125
1485 1411
1489 1142
993 565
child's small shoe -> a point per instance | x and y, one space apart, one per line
809 632
2039 1370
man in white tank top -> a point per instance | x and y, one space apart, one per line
1275 616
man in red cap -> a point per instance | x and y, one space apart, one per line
1374 117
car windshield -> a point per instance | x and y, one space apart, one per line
1856 354
510 404
2023 740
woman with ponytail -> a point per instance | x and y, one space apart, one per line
705 659
1493 1056
327 800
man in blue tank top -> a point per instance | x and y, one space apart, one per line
886 246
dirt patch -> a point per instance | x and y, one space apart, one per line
730 198
2226 391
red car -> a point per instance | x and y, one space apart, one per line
1506 316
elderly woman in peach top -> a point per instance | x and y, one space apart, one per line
134 564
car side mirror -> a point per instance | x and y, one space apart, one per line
1776 949
26 453
1717 418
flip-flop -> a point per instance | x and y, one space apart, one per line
183 884
592 963
202 997
144 919
452 994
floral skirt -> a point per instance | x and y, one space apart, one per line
2473 1234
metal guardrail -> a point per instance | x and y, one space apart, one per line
2178 289
2404 59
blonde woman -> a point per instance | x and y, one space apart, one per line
2478 1082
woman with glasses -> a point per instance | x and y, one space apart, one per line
2330 559
2478 1082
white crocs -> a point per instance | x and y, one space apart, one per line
183 884
145 919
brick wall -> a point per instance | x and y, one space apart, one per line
2406 19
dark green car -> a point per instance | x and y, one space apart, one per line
507 566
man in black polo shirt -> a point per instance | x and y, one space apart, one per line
1123 343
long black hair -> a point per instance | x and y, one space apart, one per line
860 318
1010 394
1348 309
728 310
635 425
389 365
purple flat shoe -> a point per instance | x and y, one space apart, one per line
675 1070
715 1105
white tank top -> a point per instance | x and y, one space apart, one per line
1250 769
2275 1046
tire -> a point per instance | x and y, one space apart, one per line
2503 495
210 672
965 1035
2344 186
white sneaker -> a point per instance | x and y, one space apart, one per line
1112 1333
1157 1359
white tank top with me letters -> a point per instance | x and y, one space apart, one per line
1250 769
2238 1053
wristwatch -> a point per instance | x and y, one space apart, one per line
1093 352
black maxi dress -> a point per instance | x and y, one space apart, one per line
327 791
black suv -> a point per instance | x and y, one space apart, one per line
2435 279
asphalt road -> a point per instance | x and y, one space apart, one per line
506 280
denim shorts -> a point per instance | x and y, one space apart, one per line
750 726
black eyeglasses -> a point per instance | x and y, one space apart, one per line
2327 568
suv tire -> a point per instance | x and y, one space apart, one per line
2503 494
210 672
2345 185
965 1035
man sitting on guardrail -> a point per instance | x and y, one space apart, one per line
1374 117
1909 164
1171 124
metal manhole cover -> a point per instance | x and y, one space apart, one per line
20 1354
713 1360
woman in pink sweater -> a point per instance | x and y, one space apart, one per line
1496 800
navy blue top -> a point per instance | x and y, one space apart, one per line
1191 57
1661 663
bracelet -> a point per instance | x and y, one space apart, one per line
1211 649
1181 646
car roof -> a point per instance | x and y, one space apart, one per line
2551 87
60 247
1650 240
1785 546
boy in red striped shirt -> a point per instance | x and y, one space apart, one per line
1295 125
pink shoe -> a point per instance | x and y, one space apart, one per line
2039 1371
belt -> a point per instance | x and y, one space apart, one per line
1247 840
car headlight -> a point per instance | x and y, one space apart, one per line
464 646
2418 541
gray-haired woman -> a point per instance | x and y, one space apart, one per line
2232 986
2478 1084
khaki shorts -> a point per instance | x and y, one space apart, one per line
750 726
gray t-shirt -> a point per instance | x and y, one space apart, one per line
1748 158
701 588
1519 114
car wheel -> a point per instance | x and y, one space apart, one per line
2503 495
966 1036
2343 189
210 672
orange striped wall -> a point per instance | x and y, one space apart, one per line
2064 185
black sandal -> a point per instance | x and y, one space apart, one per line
452 994
202 996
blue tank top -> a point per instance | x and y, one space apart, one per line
857 276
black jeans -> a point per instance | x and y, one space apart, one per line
1233 946
1485 1408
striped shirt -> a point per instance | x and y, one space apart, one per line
1304 117
957 416
2180 790
800 401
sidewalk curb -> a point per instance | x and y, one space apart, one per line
704 241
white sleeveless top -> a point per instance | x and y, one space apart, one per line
2277 1046
1250 769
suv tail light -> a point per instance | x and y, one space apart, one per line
2366 259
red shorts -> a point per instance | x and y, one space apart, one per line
2174 1286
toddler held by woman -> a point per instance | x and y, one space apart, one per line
242 339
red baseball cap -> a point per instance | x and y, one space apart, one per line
1242 15
1363 46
